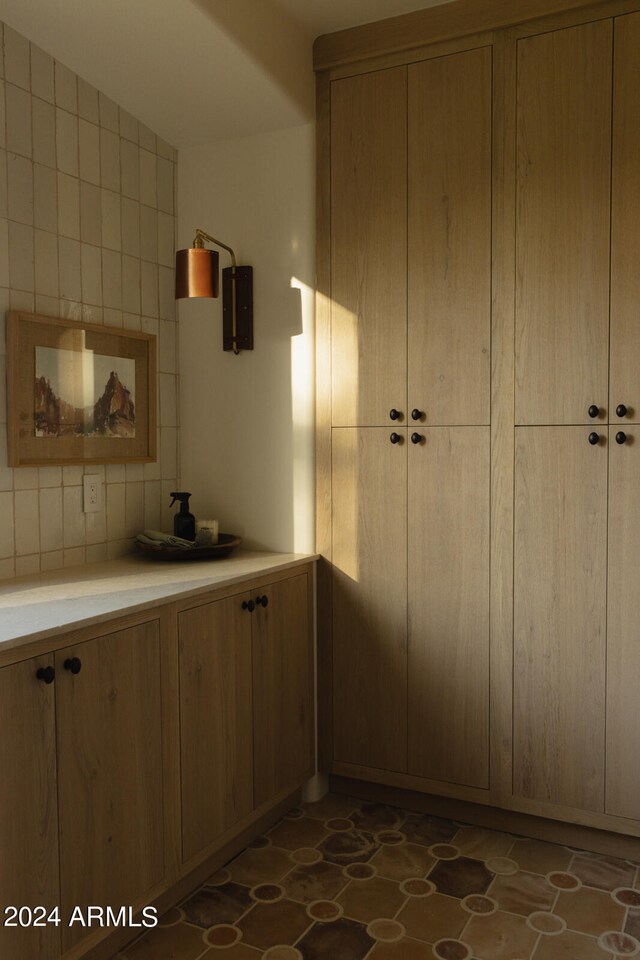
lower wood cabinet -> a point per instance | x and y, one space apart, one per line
28 808
246 705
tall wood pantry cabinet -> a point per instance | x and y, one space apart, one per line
478 406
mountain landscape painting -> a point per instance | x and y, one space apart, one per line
79 393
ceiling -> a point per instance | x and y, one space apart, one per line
196 71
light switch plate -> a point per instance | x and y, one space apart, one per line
92 484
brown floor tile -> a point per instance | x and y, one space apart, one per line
260 866
523 893
271 923
569 946
213 905
168 943
332 805
540 857
342 940
432 918
406 949
352 846
318 881
632 926
240 951
421 828
377 816
500 937
459 878
482 844
293 834
403 862
606 873
366 900
590 911
619 943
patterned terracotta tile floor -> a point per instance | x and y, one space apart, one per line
343 880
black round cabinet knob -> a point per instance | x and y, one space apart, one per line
262 601
621 437
416 438
395 438
73 664
593 411
47 674
621 410
593 439
248 605
394 414
417 414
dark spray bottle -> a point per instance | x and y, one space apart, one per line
184 523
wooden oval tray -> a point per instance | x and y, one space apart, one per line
226 543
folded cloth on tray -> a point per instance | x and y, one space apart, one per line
159 540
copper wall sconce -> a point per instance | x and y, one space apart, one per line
197 276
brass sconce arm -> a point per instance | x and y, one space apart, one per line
201 236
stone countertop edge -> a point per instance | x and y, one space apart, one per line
41 605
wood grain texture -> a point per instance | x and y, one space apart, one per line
625 221
216 723
623 616
109 747
560 616
283 688
428 26
28 807
449 247
369 247
563 223
502 433
448 599
370 598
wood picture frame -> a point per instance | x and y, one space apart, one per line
78 393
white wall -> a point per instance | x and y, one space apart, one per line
246 422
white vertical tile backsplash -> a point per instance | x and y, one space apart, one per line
87 231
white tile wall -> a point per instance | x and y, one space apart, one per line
87 224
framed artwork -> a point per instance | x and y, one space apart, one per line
78 393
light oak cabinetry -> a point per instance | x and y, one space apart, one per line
513 522
28 808
411 313
246 706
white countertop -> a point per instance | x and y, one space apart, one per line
39 606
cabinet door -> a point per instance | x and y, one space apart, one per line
449 264
28 808
369 531
283 683
369 247
215 720
448 590
563 223
623 650
625 221
110 788
559 617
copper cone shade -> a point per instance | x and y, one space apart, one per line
196 273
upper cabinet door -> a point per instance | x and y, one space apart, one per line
563 223
369 247
449 226
625 223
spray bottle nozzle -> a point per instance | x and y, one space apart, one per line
183 498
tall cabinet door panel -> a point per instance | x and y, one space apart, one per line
625 221
559 620
28 808
623 648
448 533
369 490
283 720
369 247
215 720
109 732
563 223
449 266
